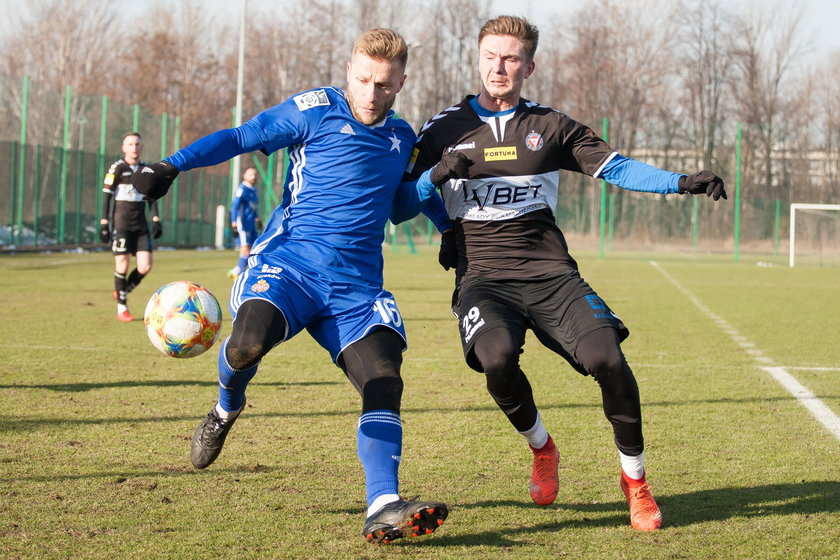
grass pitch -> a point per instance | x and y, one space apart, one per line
96 424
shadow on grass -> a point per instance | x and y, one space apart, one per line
10 423
82 387
679 510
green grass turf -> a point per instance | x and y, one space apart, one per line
96 424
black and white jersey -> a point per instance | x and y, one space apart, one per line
504 211
129 206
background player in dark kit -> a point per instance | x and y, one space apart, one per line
124 223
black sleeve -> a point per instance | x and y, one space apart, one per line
581 150
108 189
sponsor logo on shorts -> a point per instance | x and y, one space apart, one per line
311 99
534 141
260 287
500 154
266 269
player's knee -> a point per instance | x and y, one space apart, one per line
243 356
144 269
498 356
382 393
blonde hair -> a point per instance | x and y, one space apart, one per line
382 44
515 27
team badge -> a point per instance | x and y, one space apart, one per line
311 99
260 287
534 141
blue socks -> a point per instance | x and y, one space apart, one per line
232 382
380 446
242 264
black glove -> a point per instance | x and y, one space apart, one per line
234 231
105 233
453 165
258 224
154 180
448 255
157 229
703 182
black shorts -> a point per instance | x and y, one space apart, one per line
129 242
560 311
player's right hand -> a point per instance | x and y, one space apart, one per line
448 254
234 231
453 165
154 180
105 233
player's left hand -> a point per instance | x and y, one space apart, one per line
448 254
454 165
258 224
154 180
105 233
703 182
157 229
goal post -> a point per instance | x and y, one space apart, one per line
815 231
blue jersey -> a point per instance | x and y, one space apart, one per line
340 186
243 208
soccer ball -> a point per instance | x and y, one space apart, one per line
183 319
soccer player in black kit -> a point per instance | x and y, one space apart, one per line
124 223
496 158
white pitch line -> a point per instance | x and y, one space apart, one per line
806 398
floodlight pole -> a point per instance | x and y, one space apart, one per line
240 84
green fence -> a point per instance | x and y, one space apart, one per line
55 149
56 146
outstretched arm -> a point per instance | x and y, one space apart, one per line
635 175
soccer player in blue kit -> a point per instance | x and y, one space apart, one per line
244 219
318 265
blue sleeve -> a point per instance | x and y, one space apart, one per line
278 127
235 203
634 175
436 212
411 197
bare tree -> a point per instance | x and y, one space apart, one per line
768 45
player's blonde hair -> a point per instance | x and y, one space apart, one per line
514 26
382 44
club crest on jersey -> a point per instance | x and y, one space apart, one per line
500 154
260 287
534 141
311 99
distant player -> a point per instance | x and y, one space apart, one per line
497 159
244 220
124 223
318 265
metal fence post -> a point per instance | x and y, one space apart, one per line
62 184
17 231
737 191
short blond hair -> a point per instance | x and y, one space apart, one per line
382 44
514 26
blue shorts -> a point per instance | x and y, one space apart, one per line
335 313
246 237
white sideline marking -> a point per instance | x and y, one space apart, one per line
806 398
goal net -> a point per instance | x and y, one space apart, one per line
815 234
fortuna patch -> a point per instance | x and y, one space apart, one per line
311 99
499 154
534 141
260 287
